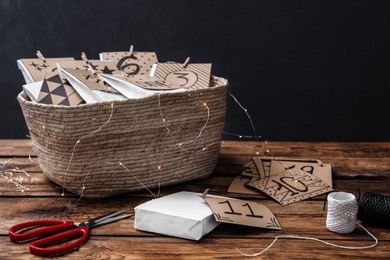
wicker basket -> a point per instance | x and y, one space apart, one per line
108 148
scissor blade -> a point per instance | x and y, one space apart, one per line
110 220
102 218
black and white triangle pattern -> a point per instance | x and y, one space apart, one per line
56 92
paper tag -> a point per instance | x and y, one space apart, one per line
140 63
106 67
238 185
55 91
90 80
242 212
291 186
264 163
193 76
250 170
37 69
321 170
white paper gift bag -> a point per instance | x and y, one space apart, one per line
183 214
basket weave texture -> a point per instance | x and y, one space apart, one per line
109 148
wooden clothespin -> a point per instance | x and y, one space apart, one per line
131 50
84 57
40 56
186 62
204 194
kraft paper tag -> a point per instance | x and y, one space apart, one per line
193 76
264 163
241 212
37 70
97 66
238 185
138 63
320 170
56 91
291 186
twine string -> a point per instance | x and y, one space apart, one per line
374 208
341 217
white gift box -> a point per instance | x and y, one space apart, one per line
183 214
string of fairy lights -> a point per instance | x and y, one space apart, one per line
7 174
13 175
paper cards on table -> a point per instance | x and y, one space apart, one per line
37 69
291 186
139 86
286 180
241 212
136 63
192 76
183 214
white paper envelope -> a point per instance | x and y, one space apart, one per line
183 214
32 90
130 89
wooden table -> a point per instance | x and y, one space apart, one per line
355 165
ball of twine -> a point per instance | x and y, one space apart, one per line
342 211
374 209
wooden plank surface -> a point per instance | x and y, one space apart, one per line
355 165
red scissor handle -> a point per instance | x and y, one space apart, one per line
37 229
40 247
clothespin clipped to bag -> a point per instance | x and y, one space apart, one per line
186 62
40 56
204 194
131 50
84 57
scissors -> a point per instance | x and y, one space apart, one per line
53 232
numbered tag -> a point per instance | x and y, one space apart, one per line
319 169
140 63
291 186
238 185
242 212
37 70
251 170
193 76
55 91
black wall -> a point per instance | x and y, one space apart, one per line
306 70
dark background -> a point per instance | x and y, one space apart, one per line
306 70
